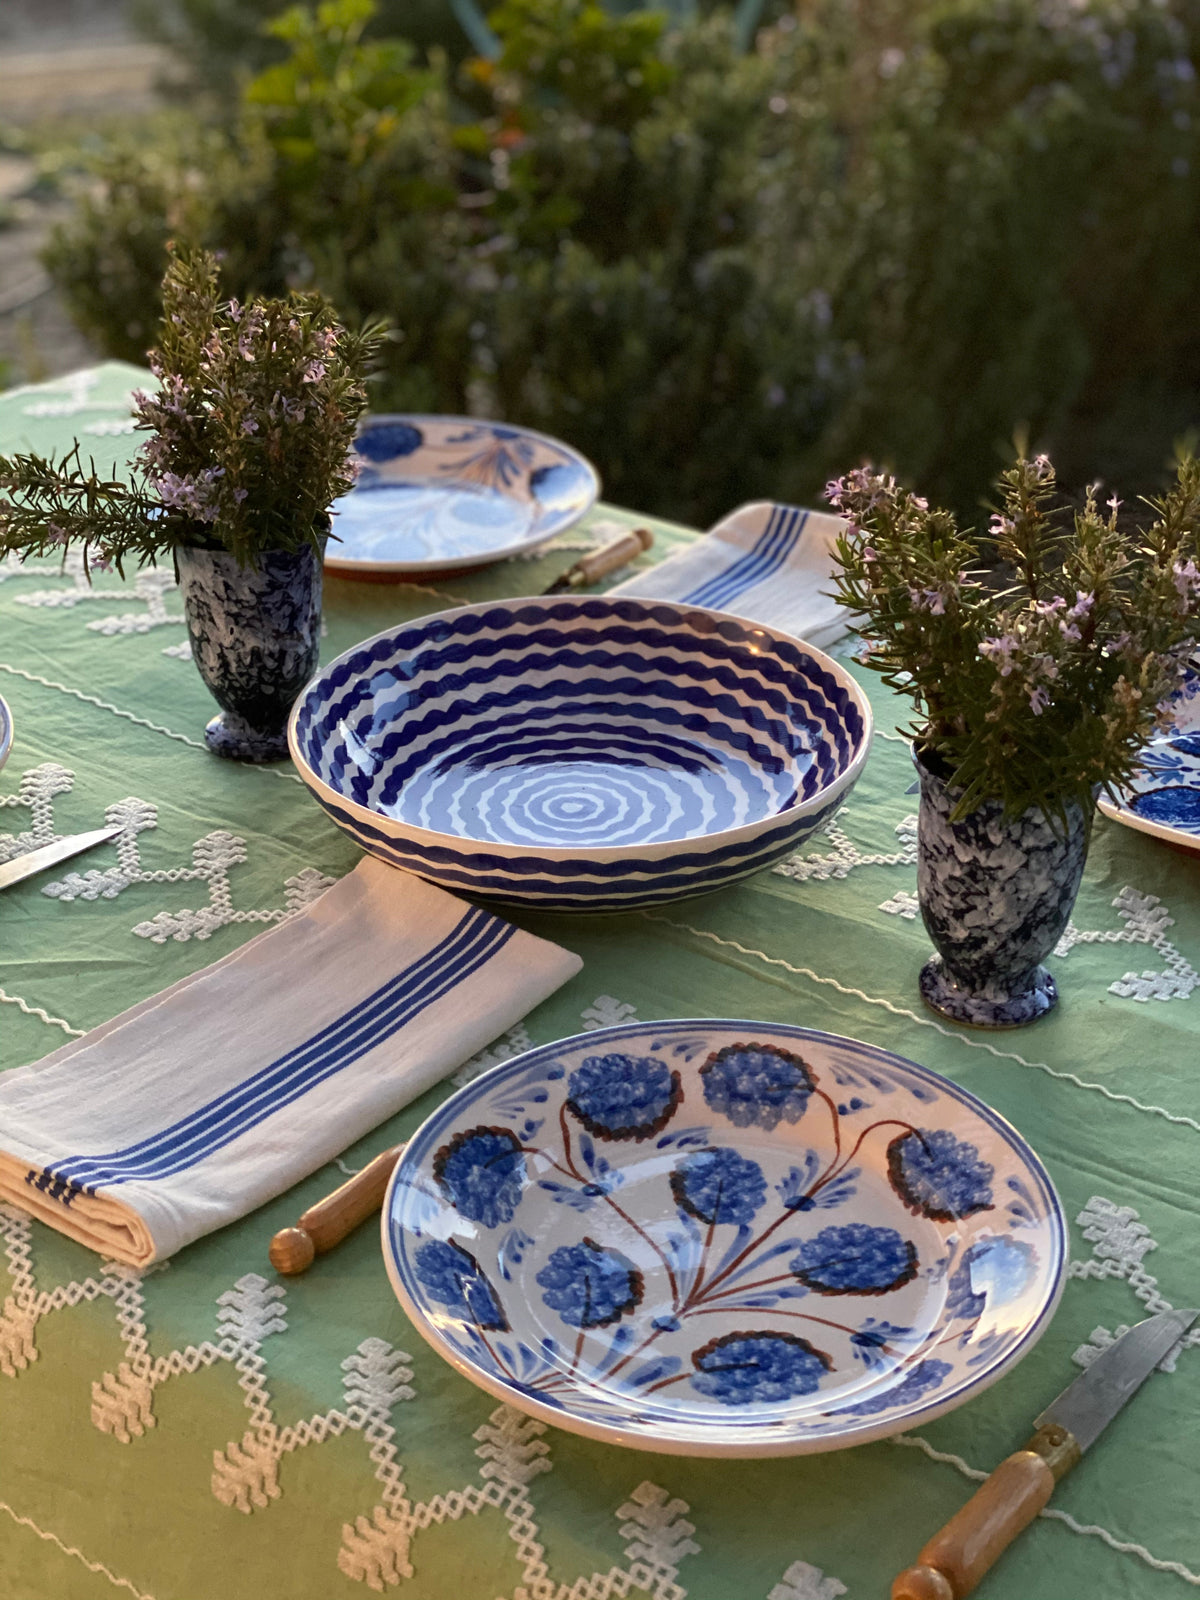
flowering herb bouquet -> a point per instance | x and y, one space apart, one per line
1040 677
250 430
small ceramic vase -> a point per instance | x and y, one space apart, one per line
256 635
995 897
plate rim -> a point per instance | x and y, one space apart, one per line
6 731
600 854
336 563
610 1433
1124 817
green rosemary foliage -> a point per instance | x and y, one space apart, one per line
249 435
1036 686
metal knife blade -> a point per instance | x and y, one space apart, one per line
1087 1406
21 867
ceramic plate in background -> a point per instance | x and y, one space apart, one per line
440 494
1164 798
6 731
724 1238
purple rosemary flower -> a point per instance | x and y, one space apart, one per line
1039 700
1000 652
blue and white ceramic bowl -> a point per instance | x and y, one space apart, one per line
1164 798
724 1238
581 753
6 730
438 494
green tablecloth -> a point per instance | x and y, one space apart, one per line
209 1432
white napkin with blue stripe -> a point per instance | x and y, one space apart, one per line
765 562
208 1099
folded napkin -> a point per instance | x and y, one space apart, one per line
203 1102
765 562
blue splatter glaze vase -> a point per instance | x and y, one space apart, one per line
255 634
995 896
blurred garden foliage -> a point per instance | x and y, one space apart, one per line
893 228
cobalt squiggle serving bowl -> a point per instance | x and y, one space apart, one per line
581 753
724 1238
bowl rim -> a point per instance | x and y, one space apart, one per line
656 850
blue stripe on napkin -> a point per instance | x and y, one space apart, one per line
768 553
470 945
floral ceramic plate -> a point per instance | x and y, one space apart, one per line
1164 797
440 494
6 730
724 1238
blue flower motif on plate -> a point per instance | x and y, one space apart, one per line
718 1185
939 1176
456 1280
856 1259
992 1272
870 1343
756 1085
590 1286
482 1171
387 440
741 1369
1177 805
924 1376
624 1097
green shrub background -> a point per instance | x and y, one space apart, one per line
894 229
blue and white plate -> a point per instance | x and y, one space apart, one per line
436 494
6 730
724 1238
587 753
1164 797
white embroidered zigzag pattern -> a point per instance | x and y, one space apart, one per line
1145 917
1146 921
151 587
1119 1241
213 857
802 1581
846 857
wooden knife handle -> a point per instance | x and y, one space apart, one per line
611 556
330 1220
955 1559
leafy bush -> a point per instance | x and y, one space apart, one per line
897 229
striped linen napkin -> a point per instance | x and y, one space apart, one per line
765 562
210 1098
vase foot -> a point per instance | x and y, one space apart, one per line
945 995
229 736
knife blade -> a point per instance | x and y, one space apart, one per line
954 1560
49 855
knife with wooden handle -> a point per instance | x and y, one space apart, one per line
954 1560
600 563
331 1220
